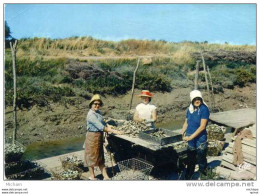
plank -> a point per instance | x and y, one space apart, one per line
251 169
230 174
246 156
140 142
54 162
235 118
253 129
245 148
230 157
249 142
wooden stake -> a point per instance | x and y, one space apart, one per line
13 49
196 75
212 91
133 85
205 73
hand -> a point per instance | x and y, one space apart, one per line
111 126
186 138
117 132
149 120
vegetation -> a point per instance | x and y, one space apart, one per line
7 31
55 70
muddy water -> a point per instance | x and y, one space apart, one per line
42 150
173 125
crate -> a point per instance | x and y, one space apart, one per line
26 170
135 169
19 166
172 136
31 174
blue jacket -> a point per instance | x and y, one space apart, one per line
95 121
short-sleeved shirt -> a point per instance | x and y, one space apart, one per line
95 121
193 121
145 110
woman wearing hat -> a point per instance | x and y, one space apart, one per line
145 111
94 153
196 135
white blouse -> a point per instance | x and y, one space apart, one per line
145 110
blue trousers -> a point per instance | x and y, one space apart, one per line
196 156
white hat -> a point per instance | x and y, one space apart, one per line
195 94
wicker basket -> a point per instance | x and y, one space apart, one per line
72 163
135 169
58 173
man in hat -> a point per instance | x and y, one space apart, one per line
145 111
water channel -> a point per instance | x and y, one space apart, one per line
42 150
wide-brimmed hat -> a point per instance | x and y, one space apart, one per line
96 97
146 93
195 94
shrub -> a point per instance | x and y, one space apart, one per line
34 92
153 81
243 77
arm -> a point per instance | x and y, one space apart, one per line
202 127
154 115
184 127
110 129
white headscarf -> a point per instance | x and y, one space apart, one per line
195 94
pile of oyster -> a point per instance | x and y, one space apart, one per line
67 175
213 148
159 133
72 163
132 128
216 137
180 145
130 175
216 132
13 152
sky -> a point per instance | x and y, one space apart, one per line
215 23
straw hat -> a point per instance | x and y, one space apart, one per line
146 93
96 97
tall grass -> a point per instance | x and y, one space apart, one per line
88 46
43 75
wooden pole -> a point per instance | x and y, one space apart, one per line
196 75
205 73
212 90
13 49
133 84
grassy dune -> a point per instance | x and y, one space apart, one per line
66 70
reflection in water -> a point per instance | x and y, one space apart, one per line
173 125
42 150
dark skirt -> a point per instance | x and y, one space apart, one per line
94 151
